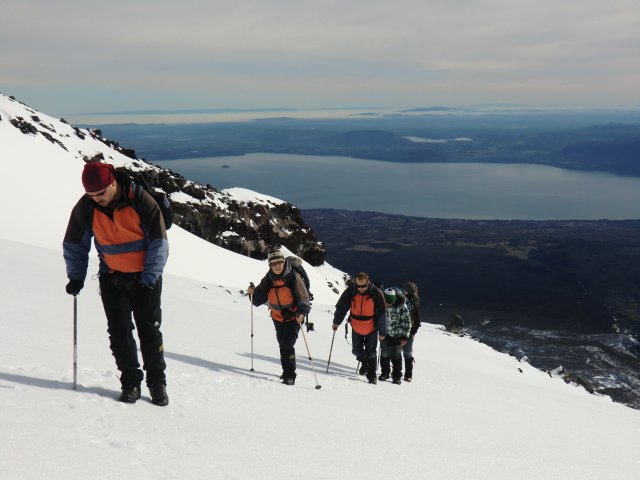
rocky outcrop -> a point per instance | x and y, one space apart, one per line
250 228
249 224
455 324
569 377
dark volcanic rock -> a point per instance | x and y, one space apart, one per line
248 228
455 324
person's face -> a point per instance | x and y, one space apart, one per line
277 267
105 196
361 286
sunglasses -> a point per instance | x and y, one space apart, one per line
361 287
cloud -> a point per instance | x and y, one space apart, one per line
402 53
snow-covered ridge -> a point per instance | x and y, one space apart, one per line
258 221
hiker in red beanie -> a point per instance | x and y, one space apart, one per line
96 177
131 240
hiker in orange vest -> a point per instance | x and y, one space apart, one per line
365 305
283 289
131 240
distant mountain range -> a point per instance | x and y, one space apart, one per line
593 141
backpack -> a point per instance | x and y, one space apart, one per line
296 265
140 183
411 292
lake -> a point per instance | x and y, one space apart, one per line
436 190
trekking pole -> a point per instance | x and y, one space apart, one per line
251 301
331 350
75 342
310 360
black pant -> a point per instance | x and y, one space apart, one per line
287 334
391 354
390 347
122 295
364 346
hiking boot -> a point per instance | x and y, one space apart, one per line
372 380
289 381
408 368
372 365
396 372
159 395
385 368
363 368
396 381
130 394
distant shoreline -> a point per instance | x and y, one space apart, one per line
470 190
598 141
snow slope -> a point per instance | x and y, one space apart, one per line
469 414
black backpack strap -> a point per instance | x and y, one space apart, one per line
137 191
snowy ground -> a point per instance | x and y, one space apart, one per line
469 414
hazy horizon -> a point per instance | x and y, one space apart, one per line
285 54
214 115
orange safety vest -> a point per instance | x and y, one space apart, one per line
121 240
280 297
362 314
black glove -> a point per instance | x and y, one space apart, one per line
145 294
74 287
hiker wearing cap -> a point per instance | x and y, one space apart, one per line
131 241
365 305
398 330
283 289
413 303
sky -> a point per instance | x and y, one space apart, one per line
69 56
469 413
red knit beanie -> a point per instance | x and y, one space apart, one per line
97 176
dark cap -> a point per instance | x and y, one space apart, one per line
97 176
